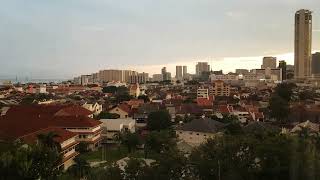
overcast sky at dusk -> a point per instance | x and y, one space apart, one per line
64 38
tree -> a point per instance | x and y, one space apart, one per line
285 90
28 100
159 141
109 172
82 147
80 168
307 94
159 120
109 89
178 119
279 108
35 161
106 115
171 165
144 98
130 140
49 140
136 169
224 158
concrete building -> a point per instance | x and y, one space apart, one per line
167 77
253 77
179 73
110 127
85 79
219 88
224 77
283 67
157 77
111 75
77 80
302 44
203 93
164 73
269 62
316 64
202 67
127 74
242 71
185 72
269 74
140 78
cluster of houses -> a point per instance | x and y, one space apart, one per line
72 111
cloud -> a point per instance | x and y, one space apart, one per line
235 14
94 28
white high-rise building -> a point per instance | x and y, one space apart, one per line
302 44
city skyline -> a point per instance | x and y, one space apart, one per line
87 39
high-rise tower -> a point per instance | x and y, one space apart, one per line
302 44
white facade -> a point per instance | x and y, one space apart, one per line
95 108
112 126
194 138
157 77
224 77
203 93
242 115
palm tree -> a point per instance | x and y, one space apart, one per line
80 169
117 137
48 140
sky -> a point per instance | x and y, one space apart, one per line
55 39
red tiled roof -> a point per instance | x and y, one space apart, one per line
135 102
49 110
125 108
224 109
204 102
188 108
74 121
23 120
73 110
259 115
62 135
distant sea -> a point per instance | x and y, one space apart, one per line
23 81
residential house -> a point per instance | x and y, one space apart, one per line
199 131
134 90
312 128
123 110
96 108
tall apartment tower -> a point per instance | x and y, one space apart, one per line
202 67
185 71
283 66
179 72
269 62
302 44
315 64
